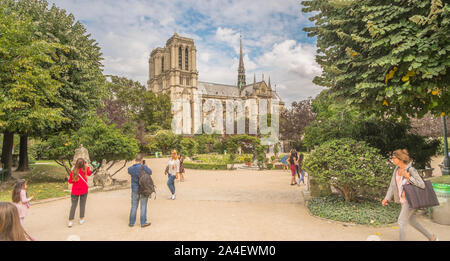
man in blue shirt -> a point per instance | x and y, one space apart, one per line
135 197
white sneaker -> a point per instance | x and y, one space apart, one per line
173 196
70 224
81 221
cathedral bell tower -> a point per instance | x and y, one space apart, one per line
174 68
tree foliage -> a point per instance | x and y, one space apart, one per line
27 68
336 120
387 57
134 109
102 141
293 121
80 63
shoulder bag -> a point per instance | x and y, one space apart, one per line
420 198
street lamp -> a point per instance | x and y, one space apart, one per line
446 167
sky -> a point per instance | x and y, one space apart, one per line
274 43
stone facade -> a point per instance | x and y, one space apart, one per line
173 69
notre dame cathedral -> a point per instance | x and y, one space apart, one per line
173 69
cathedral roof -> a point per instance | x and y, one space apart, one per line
216 89
224 90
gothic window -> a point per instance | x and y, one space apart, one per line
162 64
181 80
186 59
180 59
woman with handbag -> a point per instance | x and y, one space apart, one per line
78 177
404 174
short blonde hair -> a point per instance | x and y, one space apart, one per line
402 155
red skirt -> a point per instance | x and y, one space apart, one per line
293 169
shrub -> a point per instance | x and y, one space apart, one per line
421 150
337 120
261 155
317 189
269 165
350 166
276 149
188 147
165 141
440 150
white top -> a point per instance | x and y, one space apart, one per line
174 166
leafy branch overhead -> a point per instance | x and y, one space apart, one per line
390 57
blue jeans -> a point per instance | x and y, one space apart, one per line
170 183
135 199
302 178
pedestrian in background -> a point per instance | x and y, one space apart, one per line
301 171
20 199
181 158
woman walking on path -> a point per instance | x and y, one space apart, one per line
10 225
19 198
293 163
172 172
181 158
403 174
301 171
78 177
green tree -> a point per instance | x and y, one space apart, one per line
188 147
27 68
336 120
387 57
79 64
166 140
102 141
135 109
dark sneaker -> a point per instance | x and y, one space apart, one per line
146 225
130 225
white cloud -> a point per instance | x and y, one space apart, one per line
292 67
128 30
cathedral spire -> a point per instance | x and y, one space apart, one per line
241 70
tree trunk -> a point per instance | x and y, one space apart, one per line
23 155
7 160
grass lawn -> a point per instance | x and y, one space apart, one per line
44 181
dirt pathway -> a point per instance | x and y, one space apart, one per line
210 205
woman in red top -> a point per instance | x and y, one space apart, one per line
78 177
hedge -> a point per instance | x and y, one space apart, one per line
191 165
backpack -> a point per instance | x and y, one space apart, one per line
146 184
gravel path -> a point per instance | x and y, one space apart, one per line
210 205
